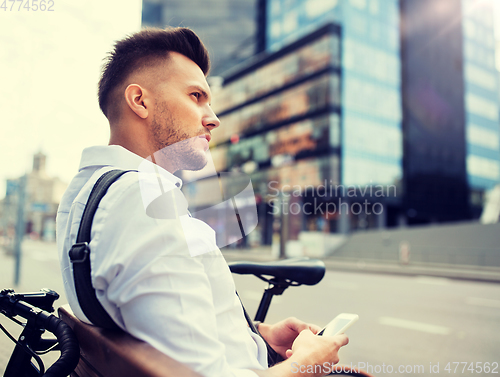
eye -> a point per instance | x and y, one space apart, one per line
196 94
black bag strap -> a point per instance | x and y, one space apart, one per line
79 255
273 357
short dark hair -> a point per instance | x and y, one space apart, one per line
143 48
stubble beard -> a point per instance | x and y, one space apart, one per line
174 149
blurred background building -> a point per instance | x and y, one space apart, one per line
42 195
450 106
227 27
396 95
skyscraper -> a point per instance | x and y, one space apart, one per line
371 135
227 27
482 127
419 96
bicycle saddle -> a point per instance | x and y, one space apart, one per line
296 271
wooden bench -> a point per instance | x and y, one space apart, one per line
105 353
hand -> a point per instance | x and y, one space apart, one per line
308 349
281 335
329 345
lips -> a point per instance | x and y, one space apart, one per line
206 140
207 137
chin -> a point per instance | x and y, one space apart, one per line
196 161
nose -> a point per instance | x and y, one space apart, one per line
210 120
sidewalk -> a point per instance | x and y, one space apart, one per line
465 272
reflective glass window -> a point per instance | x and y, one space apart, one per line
480 77
372 137
374 6
371 61
372 99
315 8
361 171
359 4
302 99
481 106
483 167
310 135
288 69
483 137
334 130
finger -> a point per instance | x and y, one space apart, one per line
288 353
315 329
297 325
342 339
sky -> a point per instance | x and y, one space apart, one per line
49 68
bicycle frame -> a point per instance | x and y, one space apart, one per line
30 340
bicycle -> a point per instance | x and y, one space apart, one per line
35 307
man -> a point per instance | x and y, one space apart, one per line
164 280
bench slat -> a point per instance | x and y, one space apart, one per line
106 353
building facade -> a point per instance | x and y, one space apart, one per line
421 73
371 80
281 123
482 124
42 195
211 20
450 105
396 101
280 117
435 153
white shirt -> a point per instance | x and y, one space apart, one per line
145 275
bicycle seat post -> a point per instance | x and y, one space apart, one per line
276 288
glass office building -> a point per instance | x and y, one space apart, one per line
436 188
481 99
280 122
371 136
211 20
450 106
419 97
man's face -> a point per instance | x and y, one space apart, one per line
182 118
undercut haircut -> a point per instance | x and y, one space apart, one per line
146 48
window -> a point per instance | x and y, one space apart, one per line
290 21
360 171
371 61
302 99
306 60
483 167
480 77
469 29
152 14
315 8
275 8
372 99
374 6
481 106
372 137
334 130
360 4
275 29
483 137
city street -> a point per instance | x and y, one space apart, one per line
408 321
413 322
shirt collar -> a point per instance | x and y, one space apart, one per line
121 158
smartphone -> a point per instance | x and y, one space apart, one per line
339 324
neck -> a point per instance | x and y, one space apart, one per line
131 137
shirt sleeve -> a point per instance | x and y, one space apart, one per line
147 280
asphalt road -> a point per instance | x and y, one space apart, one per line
408 322
405 322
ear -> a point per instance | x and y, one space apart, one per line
138 100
